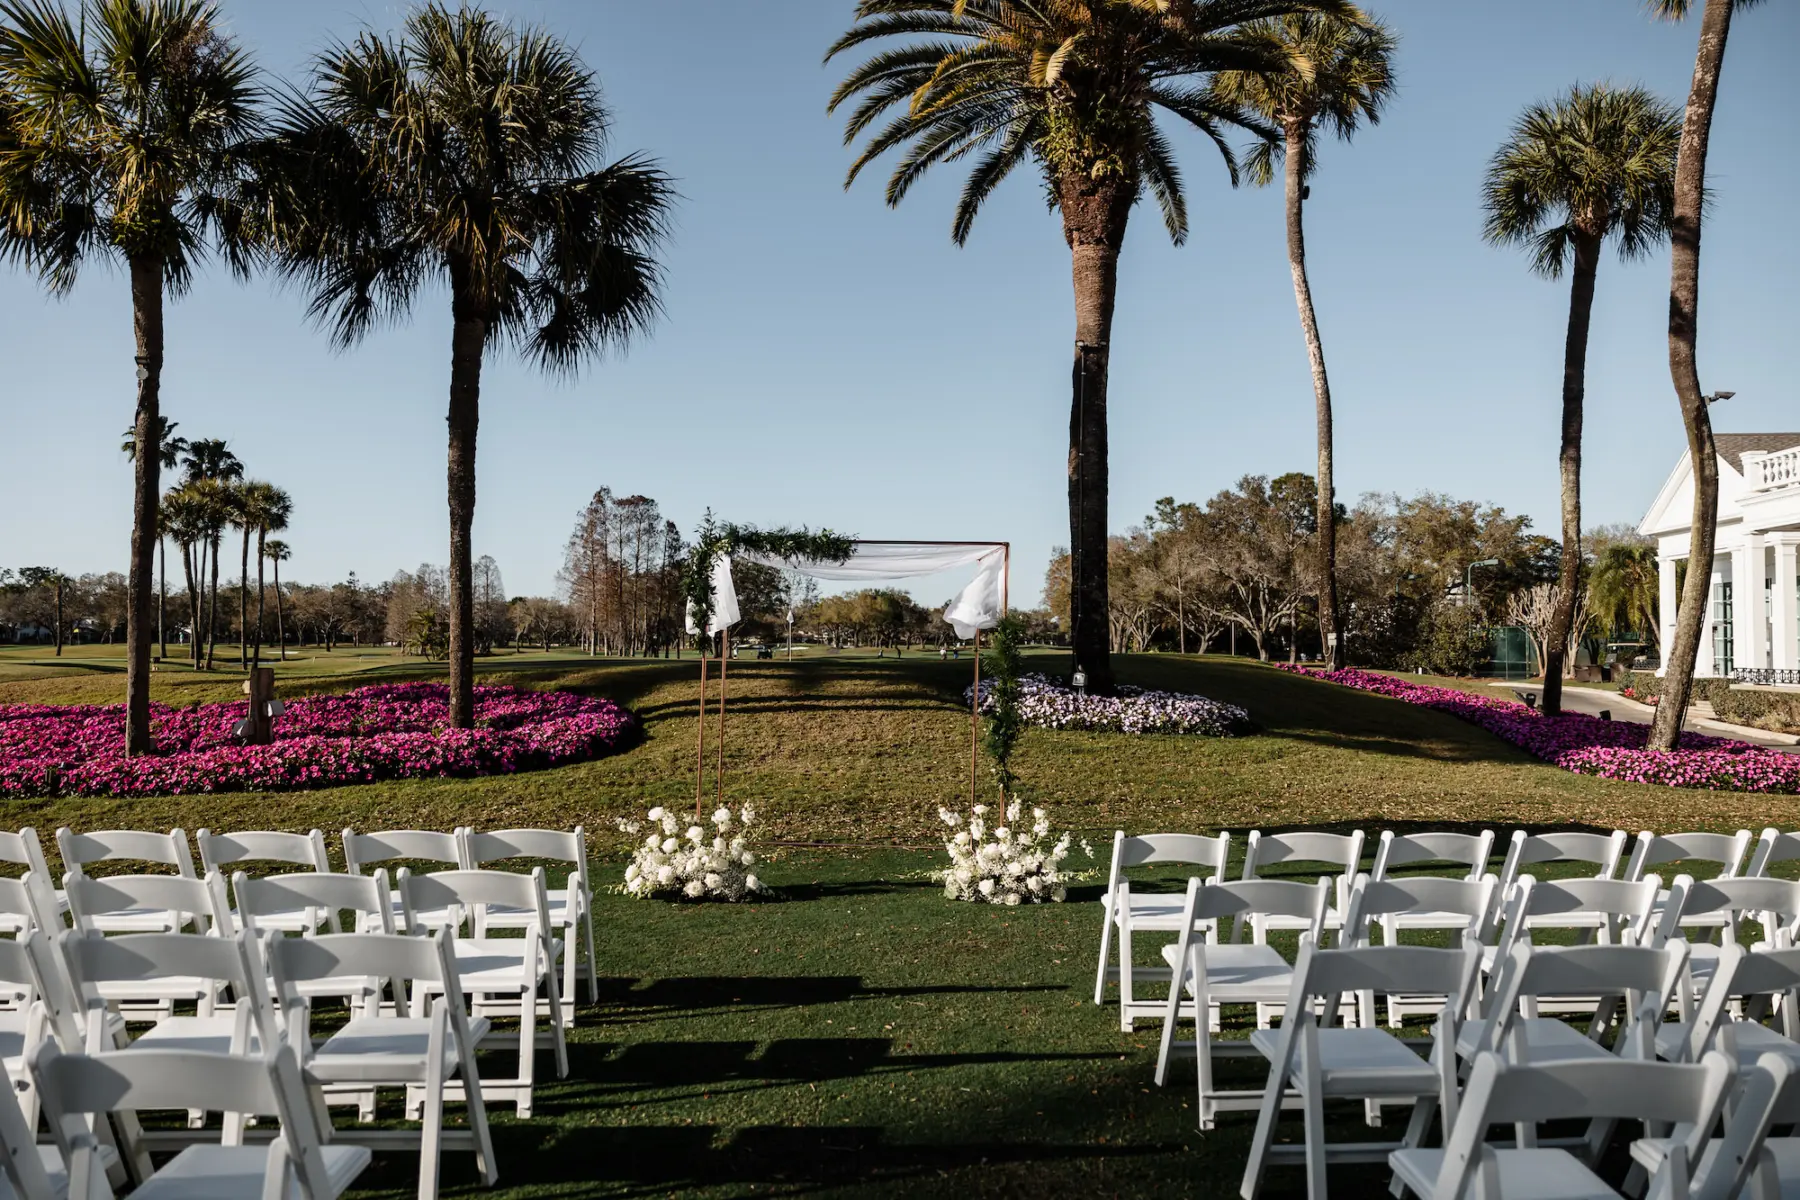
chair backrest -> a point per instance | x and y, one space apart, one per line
1259 897
142 957
1371 899
1190 849
275 895
1773 902
25 849
1726 849
403 958
1342 850
78 1088
499 845
219 851
1689 1097
20 1165
468 889
1770 1096
1628 906
128 845
1772 847
24 898
1645 975
1471 850
182 897
1605 850
1768 978
422 845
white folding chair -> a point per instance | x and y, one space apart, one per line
1125 912
500 976
224 852
31 1170
1772 847
415 1050
267 907
1771 904
406 845
1463 904
1726 850
1320 1062
172 904
24 902
48 905
1763 984
1604 852
126 845
1340 850
79 1089
24 1027
1469 1168
571 906
1470 851
1744 1161
1211 974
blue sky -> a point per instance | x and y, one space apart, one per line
828 361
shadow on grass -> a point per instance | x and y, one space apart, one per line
695 994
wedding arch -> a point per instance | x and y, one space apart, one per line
713 603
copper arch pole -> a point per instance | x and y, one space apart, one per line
700 761
724 659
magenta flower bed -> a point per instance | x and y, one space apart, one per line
1590 746
388 731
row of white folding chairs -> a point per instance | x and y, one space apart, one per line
570 907
1486 1067
1123 913
502 976
426 1048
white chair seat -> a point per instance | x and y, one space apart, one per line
165 987
507 916
1547 1040
1241 973
1752 1041
236 1173
296 920
210 1034
496 964
1783 1151
1368 1062
383 1050
1524 1174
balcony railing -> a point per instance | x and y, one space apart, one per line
1766 676
1777 470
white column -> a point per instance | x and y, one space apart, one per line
1667 600
1752 603
1703 658
1787 634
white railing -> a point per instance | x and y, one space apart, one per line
1780 469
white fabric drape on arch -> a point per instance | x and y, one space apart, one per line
976 607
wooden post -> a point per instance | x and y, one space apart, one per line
700 761
975 723
724 661
260 687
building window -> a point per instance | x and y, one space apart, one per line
1722 631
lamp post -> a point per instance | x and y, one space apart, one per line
1718 396
1469 576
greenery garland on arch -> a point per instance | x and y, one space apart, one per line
714 538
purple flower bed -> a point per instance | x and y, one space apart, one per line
1590 746
1048 704
388 731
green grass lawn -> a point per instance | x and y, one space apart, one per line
860 1035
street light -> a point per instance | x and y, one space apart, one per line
1469 576
1718 396
1078 681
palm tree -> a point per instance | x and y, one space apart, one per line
269 508
171 448
277 552
1684 368
1073 87
471 152
185 513
210 461
123 140
1594 165
1624 589
1335 73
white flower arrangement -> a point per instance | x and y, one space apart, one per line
1003 864
695 863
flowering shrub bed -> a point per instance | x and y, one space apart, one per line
1004 864
388 731
1590 746
1048 704
698 864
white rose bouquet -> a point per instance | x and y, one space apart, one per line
696 863
1003 864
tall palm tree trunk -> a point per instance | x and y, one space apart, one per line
280 612
1684 370
188 567
256 654
468 340
244 604
212 620
1094 218
162 598
197 602
1568 580
59 614
147 333
1295 184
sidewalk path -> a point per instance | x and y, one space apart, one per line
1592 700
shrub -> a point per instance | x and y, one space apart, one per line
1457 641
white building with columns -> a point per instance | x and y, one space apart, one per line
1752 628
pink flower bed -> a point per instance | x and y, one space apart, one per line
1590 746
388 731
